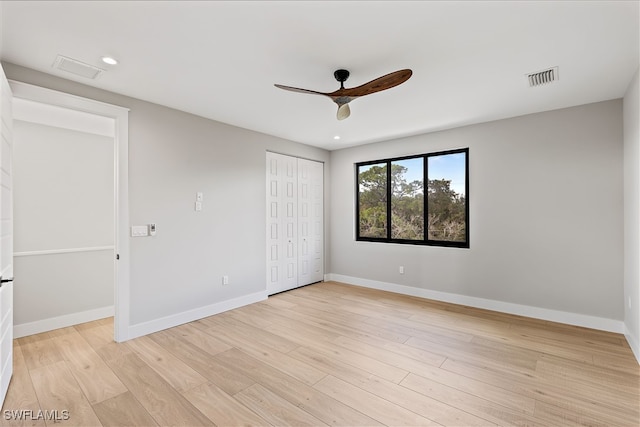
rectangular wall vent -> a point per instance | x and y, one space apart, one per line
543 77
76 67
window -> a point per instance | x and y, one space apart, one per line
391 201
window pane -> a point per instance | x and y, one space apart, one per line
407 199
446 197
372 197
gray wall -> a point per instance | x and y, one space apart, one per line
173 155
632 213
546 211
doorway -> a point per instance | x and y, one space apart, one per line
71 246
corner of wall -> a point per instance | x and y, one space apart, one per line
631 125
633 342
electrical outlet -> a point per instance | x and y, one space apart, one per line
401 269
225 280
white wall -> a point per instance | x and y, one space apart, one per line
631 105
545 218
172 155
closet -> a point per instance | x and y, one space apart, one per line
295 230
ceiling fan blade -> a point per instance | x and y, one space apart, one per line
297 89
381 83
343 111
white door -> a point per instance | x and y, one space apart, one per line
294 222
281 223
310 196
6 238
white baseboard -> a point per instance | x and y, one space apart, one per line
575 319
633 343
45 325
167 322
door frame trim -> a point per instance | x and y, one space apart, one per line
121 203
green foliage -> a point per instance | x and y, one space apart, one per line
407 206
447 213
373 202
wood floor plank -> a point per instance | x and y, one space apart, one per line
433 372
301 371
97 380
478 354
97 336
429 408
625 363
587 374
557 393
123 410
339 321
20 396
429 332
557 416
495 413
226 378
368 403
57 390
225 324
165 404
177 373
539 345
280 324
318 404
199 338
391 357
40 352
274 409
368 363
221 408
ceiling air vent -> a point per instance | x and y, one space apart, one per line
76 67
543 77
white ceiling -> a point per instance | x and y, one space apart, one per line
220 59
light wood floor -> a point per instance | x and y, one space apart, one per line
331 354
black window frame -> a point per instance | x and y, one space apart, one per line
426 241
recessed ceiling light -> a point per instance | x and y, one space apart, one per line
109 60
336 137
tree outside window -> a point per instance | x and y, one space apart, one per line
392 206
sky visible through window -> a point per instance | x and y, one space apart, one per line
449 167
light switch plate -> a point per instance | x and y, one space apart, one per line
199 197
139 231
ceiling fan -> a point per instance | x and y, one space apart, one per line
343 96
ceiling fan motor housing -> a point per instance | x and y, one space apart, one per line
341 76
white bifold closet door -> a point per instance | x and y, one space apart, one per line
294 222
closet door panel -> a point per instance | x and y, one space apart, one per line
273 226
304 199
310 221
281 223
